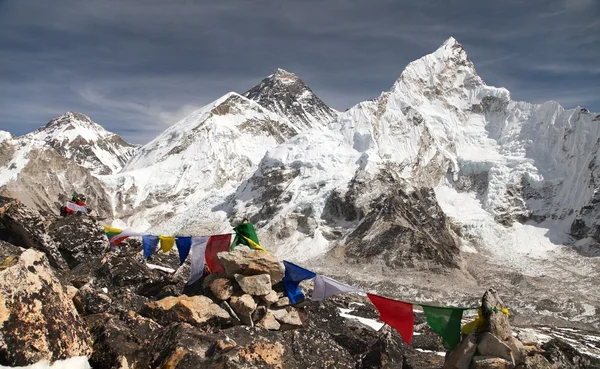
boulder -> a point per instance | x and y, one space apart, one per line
25 227
256 285
496 322
221 288
282 302
127 270
490 346
288 316
270 298
195 310
181 346
78 238
89 300
123 343
243 305
461 356
538 362
251 263
485 362
37 318
269 322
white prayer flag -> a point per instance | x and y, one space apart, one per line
74 207
198 259
325 287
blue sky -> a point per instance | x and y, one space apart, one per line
137 66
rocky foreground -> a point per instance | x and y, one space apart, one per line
62 294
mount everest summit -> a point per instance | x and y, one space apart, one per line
441 174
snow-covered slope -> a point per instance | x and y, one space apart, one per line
184 174
285 94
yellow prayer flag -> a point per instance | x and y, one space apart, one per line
108 229
253 244
166 242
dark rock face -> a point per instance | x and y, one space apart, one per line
565 356
400 231
286 94
122 341
79 238
26 227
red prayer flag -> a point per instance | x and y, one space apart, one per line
397 314
215 245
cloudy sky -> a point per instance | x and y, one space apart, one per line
137 66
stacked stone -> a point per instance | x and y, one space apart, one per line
493 346
242 295
246 290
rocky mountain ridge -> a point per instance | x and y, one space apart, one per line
65 295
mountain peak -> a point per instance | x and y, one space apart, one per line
284 93
285 77
443 70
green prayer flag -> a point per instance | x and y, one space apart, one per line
246 230
446 323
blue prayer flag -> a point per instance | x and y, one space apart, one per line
149 243
183 246
293 276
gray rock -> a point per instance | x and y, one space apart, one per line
489 345
485 362
270 298
496 322
222 288
251 263
269 322
256 285
287 316
461 356
282 302
194 310
243 305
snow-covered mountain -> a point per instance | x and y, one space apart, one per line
179 179
65 155
441 173
285 94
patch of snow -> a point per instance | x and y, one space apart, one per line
78 362
164 269
369 322
439 353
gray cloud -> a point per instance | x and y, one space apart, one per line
136 66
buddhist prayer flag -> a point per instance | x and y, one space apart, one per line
293 276
198 258
75 208
116 236
215 245
183 247
445 322
245 234
110 231
149 244
166 243
326 287
397 314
